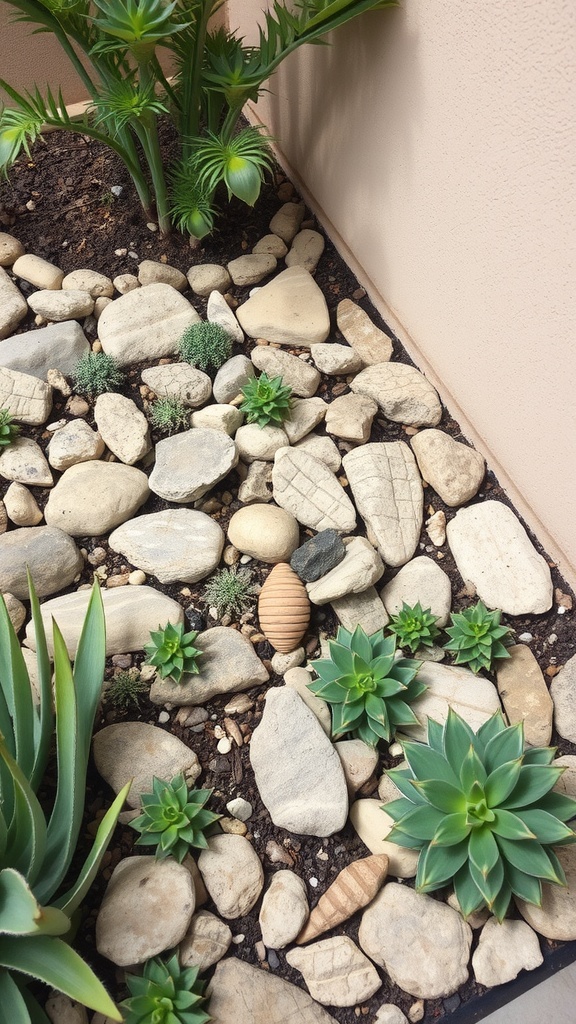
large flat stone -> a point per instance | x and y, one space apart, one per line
139 752
228 664
242 994
473 697
145 324
290 310
56 347
92 498
177 545
51 555
305 487
189 464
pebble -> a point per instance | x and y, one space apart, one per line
284 910
232 874
122 427
272 244
350 418
145 324
39 272
10 249
563 693
368 341
205 278
50 554
318 556
420 580
525 695
13 306
251 268
302 378
240 808
265 532
298 679
453 469
125 283
27 399
306 250
365 609
190 464
159 544
287 220
21 506
206 941
373 825
92 498
151 272
61 305
189 385
218 312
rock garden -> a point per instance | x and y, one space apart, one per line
334 713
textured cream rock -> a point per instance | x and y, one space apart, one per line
290 310
336 972
295 372
232 873
305 487
402 392
27 399
145 324
241 994
284 910
122 427
179 380
525 695
97 285
367 340
454 470
92 498
228 663
360 568
138 751
13 305
306 250
265 532
373 825
38 272
504 950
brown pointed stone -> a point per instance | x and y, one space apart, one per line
352 889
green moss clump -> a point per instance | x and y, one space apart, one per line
169 415
97 373
126 690
229 591
205 345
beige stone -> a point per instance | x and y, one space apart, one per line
525 695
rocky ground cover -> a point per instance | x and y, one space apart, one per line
372 494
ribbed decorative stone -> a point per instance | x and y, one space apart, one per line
92 498
492 551
290 310
353 888
335 971
177 545
189 464
360 568
453 469
387 490
228 664
283 608
305 487
179 380
51 555
371 344
297 374
28 399
242 994
145 324
402 392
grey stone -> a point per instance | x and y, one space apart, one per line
122 427
13 306
336 972
24 462
27 399
265 532
205 278
232 874
284 910
563 694
51 555
305 414
257 487
97 285
139 752
74 442
179 380
189 464
336 360
556 917
388 494
290 310
305 487
421 943
402 392
92 498
503 951
206 941
251 268
38 272
454 470
420 580
146 909
525 695
492 551
259 444
287 220
176 545
56 347
218 417
473 697
373 825
303 793
60 1009
306 250
145 324
21 506
231 378
365 609
228 664
360 568
242 994
218 312
350 417
318 555
323 449
367 340
152 272
131 613
61 305
297 374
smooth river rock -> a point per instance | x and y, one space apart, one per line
504 950
177 545
232 874
13 306
138 751
189 464
402 392
145 324
122 427
51 555
92 498
284 910
265 532
305 487
290 310
228 664
242 994
453 469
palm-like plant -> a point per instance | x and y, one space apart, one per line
216 73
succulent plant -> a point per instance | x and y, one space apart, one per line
172 651
476 636
414 627
169 415
97 373
205 345
126 689
370 690
8 429
266 400
229 590
165 994
481 811
173 818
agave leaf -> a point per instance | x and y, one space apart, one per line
539 755
422 821
534 781
561 806
529 856
342 657
443 795
502 781
14 1008
44 724
438 864
545 826
20 912
52 961
436 736
506 746
17 713
400 713
524 885
472 771
490 728
483 850
360 644
26 839
403 779
467 892
429 764
510 826
453 828
502 902
489 883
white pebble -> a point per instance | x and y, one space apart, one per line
526 637
561 609
239 808
245 559
163 717
313 882
133 255
552 638
238 939
136 578
117 191
120 252
395 750
224 746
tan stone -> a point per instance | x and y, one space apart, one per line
525 695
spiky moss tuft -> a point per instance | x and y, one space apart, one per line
205 345
229 591
97 373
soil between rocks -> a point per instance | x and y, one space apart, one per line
59 204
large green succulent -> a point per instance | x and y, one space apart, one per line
266 400
414 626
172 651
165 994
476 636
482 812
173 819
370 690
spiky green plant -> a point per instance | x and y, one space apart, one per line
169 415
266 400
229 590
368 688
173 818
172 651
165 994
205 345
9 430
482 812
96 373
126 690
414 627
476 636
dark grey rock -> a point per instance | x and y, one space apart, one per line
318 556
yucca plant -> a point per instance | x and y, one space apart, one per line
266 400
9 430
369 689
476 637
173 818
165 994
482 812
113 47
414 626
172 651
35 852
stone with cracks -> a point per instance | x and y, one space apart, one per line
231 378
145 324
367 340
290 310
556 918
388 493
284 910
360 568
27 399
51 555
473 697
350 417
422 944
178 545
336 972
137 751
24 462
232 873
146 909
453 469
122 427
56 347
402 392
92 498
322 448
189 464
179 380
504 950
305 487
242 994
295 373
130 612
563 693
420 580
297 770
228 664
493 552
336 360
525 695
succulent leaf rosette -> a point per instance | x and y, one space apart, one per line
173 818
368 688
165 994
172 651
476 636
482 812
266 400
414 626
9 430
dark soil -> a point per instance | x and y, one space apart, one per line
60 205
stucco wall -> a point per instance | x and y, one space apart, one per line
437 140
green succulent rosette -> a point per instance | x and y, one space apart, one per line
9 430
414 627
165 994
266 400
173 818
172 652
482 812
369 689
476 637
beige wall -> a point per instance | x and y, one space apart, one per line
26 59
437 141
